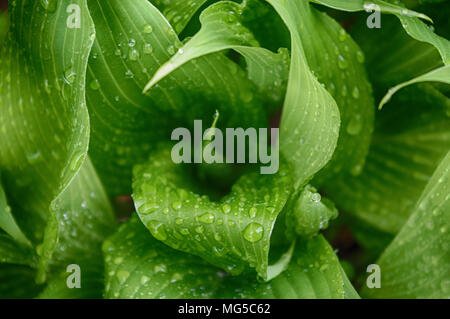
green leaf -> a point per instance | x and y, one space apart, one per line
4 25
91 281
331 54
221 30
338 63
8 223
178 12
310 213
138 266
441 74
407 58
349 290
310 121
17 281
233 233
410 139
408 18
358 5
126 125
314 273
81 219
417 263
12 252
44 122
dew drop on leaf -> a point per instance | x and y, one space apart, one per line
133 55
122 275
226 208
95 85
176 205
49 5
131 42
253 232
148 49
206 218
157 229
354 126
148 28
355 92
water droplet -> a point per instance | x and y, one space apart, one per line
122 275
344 91
33 157
171 50
129 74
342 35
184 231
148 28
252 212
148 49
342 62
199 229
226 208
117 52
175 277
148 208
49 5
159 268
178 221
47 86
360 56
95 85
176 205
356 170
246 95
316 197
131 42
207 218
253 232
355 125
133 55
180 51
355 92
69 76
144 280
118 260
157 229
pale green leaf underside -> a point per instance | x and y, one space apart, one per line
233 233
417 263
138 266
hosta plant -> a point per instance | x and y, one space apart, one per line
93 205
